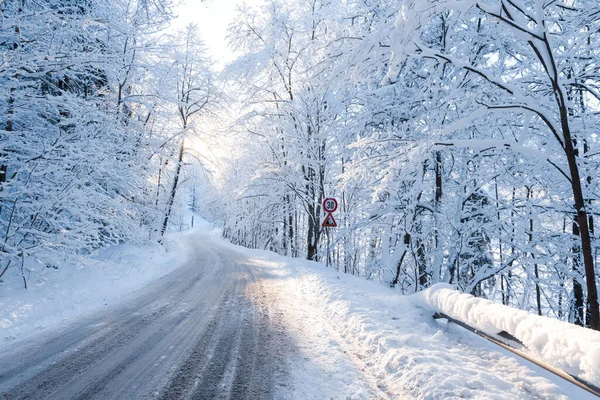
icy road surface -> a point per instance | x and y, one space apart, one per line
242 324
205 331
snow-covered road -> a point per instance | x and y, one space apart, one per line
243 324
200 332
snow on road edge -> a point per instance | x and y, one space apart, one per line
56 296
400 346
574 349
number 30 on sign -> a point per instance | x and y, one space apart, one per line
330 204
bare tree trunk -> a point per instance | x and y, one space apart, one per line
538 296
314 233
284 236
508 277
290 223
173 189
501 250
399 265
9 116
578 197
314 211
583 227
159 182
577 310
4 155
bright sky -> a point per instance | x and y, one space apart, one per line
212 17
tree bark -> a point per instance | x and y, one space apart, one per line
577 310
536 273
173 189
582 221
398 269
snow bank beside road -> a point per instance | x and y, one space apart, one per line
58 295
400 348
571 348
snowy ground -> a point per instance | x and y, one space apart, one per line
399 349
351 338
73 290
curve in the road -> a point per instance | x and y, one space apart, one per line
196 333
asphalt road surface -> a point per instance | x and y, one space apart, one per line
204 331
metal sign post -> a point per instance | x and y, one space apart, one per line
328 247
330 205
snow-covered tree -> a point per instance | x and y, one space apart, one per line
458 135
73 138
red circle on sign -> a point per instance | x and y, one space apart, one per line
330 204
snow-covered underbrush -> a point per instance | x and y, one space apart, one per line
571 348
72 288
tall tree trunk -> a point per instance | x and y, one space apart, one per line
438 256
291 226
284 236
314 212
503 287
577 310
578 197
159 181
313 236
582 224
173 189
4 154
288 226
9 113
406 240
538 295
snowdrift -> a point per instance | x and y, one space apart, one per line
569 347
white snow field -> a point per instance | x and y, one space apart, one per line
337 336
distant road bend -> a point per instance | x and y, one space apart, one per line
202 332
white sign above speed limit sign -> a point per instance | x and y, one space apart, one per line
330 204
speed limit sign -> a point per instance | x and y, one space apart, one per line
330 204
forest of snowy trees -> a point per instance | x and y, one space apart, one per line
95 106
459 136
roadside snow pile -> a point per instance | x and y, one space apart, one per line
400 349
571 348
76 288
